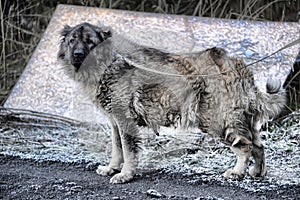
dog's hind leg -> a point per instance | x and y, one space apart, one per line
129 140
258 153
259 169
242 147
239 170
117 154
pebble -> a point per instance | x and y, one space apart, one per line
154 193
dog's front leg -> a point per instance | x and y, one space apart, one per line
129 140
117 154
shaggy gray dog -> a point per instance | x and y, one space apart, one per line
206 90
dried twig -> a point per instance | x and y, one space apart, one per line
10 117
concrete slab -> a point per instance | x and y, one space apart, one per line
44 87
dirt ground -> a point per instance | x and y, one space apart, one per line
30 179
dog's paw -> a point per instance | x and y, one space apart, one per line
106 171
232 174
257 172
121 178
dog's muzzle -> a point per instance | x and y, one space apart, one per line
79 57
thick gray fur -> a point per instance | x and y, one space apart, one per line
120 77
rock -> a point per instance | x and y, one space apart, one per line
154 193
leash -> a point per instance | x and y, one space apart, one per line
293 43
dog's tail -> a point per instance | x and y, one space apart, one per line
273 86
276 97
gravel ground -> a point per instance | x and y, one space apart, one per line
30 179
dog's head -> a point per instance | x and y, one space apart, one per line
78 41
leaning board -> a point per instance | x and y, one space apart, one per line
44 87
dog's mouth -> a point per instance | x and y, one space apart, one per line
77 62
78 57
77 65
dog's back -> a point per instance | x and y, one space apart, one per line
211 91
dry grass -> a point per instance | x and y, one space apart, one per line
21 28
23 22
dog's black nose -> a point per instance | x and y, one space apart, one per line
78 53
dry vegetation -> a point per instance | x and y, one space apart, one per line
23 22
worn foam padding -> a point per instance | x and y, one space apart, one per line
44 87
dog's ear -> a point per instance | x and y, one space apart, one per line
104 33
65 31
62 48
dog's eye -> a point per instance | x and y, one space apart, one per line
88 41
72 41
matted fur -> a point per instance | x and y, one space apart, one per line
227 105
